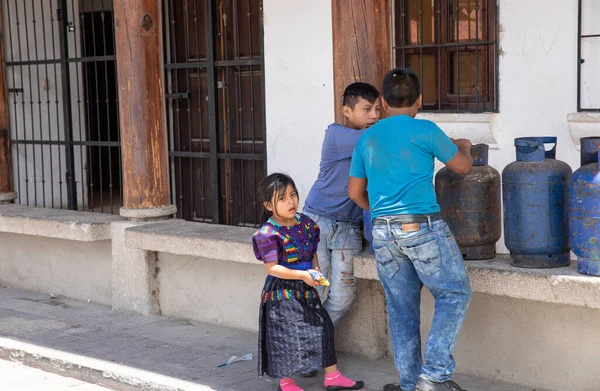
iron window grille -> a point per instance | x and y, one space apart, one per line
452 46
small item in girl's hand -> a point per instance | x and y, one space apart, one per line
318 277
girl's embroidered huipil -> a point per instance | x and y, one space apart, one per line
293 247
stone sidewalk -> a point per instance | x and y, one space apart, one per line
126 352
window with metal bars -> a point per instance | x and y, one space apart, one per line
64 119
588 55
452 46
215 80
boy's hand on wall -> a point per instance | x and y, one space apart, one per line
463 144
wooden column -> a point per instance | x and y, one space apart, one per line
140 71
362 45
6 193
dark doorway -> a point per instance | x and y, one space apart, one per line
102 121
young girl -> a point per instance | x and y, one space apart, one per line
296 333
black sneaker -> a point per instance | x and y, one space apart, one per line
428 385
391 387
309 374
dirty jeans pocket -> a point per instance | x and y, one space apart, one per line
426 256
386 264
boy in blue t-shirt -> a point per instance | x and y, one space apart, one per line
413 245
328 203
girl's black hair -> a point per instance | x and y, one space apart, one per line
270 187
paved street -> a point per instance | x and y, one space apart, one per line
130 352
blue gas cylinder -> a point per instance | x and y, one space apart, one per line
535 194
368 226
584 208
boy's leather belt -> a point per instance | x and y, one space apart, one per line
408 223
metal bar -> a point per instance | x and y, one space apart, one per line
95 52
30 62
443 45
48 108
179 95
405 33
105 58
200 124
457 21
93 59
8 27
63 143
78 97
108 124
175 112
66 89
118 120
23 106
264 111
226 111
590 35
252 108
34 21
579 2
60 172
57 61
219 64
439 53
88 121
212 113
496 50
35 200
168 104
239 114
476 52
186 36
420 40
205 155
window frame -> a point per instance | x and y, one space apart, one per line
443 48
580 61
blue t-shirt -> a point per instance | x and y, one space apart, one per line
396 155
328 197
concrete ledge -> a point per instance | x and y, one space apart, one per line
585 124
498 277
194 239
479 128
56 223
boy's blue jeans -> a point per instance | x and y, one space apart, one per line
405 262
339 242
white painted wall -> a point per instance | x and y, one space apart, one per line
299 86
537 87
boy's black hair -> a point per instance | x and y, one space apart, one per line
359 90
270 187
401 87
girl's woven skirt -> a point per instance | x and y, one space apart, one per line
295 331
